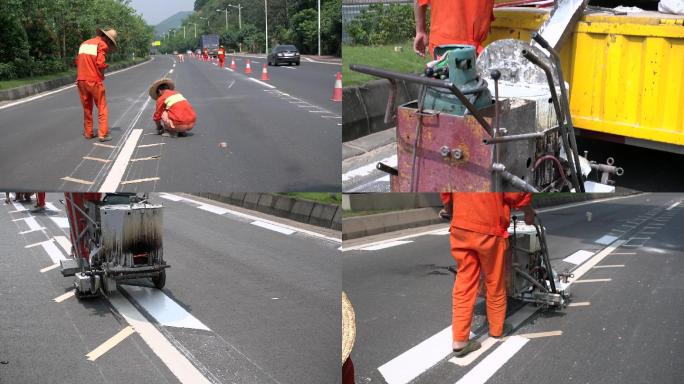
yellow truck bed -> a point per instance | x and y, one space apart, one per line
626 72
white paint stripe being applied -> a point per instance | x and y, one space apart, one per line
410 364
605 240
110 343
261 82
579 257
490 364
486 341
368 168
166 311
213 209
386 245
51 249
272 227
672 206
64 243
65 296
61 222
116 173
50 268
178 364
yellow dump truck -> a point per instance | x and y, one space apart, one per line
626 73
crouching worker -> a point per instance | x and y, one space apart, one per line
174 115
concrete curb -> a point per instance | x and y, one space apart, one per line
368 225
32 89
363 110
305 211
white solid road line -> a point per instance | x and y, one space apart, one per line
115 175
410 364
386 245
672 206
64 243
51 249
40 95
423 233
579 304
584 268
177 363
566 206
65 296
490 364
50 268
216 209
110 343
272 227
261 82
610 265
165 310
591 281
61 222
368 168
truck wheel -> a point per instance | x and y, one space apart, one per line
160 280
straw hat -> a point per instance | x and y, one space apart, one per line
348 327
156 84
110 34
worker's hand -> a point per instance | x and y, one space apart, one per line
420 43
529 214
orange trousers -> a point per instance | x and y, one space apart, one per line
40 199
475 253
92 91
222 62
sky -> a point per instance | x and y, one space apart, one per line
156 11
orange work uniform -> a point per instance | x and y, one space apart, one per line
459 21
90 64
221 56
174 111
479 232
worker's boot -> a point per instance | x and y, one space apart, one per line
105 138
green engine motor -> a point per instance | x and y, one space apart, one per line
457 64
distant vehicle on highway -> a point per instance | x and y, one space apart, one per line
211 42
283 54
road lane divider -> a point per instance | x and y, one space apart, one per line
261 82
388 244
410 364
271 227
110 343
116 173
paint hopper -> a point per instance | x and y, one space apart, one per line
131 234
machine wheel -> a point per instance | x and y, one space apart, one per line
160 280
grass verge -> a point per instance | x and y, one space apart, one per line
383 56
320 197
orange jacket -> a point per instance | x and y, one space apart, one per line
91 60
221 53
488 213
180 110
459 21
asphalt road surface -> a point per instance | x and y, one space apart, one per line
278 135
249 298
623 325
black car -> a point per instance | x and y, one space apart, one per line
283 54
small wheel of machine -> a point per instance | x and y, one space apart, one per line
160 280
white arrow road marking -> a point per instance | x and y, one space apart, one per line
177 363
165 310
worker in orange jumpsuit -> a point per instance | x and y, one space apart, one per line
479 232
452 22
205 54
173 113
90 81
221 56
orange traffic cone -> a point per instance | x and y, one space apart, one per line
232 63
264 73
248 68
337 91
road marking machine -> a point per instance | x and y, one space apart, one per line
114 237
